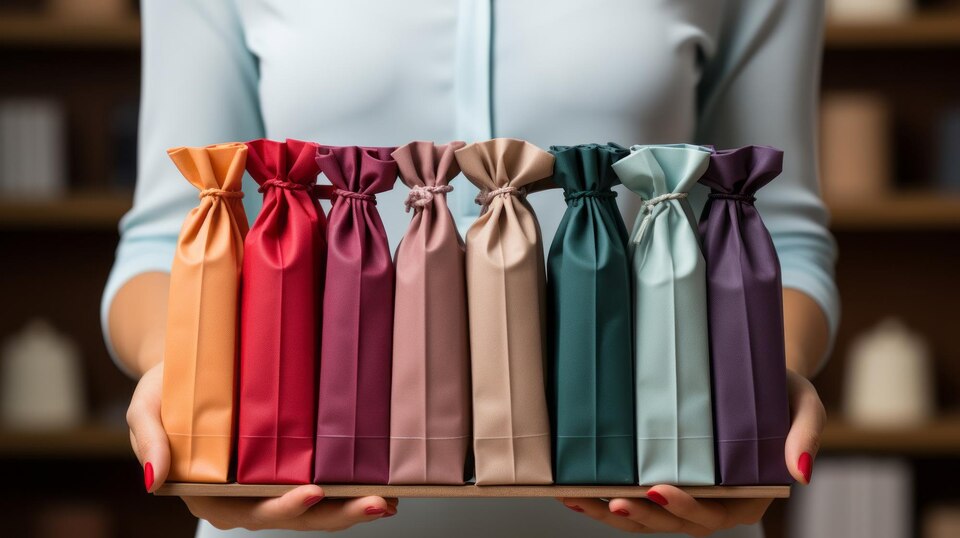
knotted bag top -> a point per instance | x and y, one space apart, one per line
357 172
737 174
503 167
585 171
427 169
288 165
217 170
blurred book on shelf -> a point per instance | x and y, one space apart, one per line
941 521
948 165
32 148
855 498
123 142
855 148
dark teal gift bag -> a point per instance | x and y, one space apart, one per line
589 329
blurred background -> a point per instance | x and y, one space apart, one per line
890 161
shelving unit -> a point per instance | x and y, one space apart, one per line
925 30
78 211
84 442
912 211
940 437
42 32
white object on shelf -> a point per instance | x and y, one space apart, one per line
889 377
41 380
869 10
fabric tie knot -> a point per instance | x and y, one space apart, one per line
485 197
745 198
421 196
648 205
356 196
283 184
220 193
647 210
579 195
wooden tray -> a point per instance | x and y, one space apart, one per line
345 490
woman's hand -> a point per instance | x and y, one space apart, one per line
668 509
299 509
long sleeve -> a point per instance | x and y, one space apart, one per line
199 87
761 87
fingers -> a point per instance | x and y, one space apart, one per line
340 514
302 509
598 510
647 513
147 436
808 420
701 513
709 514
290 505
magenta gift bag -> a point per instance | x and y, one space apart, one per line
745 308
353 412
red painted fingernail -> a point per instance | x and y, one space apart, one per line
574 507
657 498
310 501
148 476
621 512
806 466
373 511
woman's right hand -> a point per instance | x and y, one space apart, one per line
302 508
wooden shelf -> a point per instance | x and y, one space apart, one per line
899 211
37 31
85 442
81 211
924 30
940 437
264 490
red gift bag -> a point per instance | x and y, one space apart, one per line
281 289
353 412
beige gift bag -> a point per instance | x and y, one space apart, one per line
506 301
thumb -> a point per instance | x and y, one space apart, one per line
147 436
808 418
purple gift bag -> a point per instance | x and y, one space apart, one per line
745 305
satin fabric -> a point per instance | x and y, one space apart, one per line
200 354
505 291
281 297
353 413
746 319
588 305
672 357
430 396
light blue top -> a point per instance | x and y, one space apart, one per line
564 72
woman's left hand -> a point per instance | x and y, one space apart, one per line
669 509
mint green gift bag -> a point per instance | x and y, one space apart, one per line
671 346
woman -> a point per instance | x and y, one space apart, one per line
369 72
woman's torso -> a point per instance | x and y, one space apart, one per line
371 72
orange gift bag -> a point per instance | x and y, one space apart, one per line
197 404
